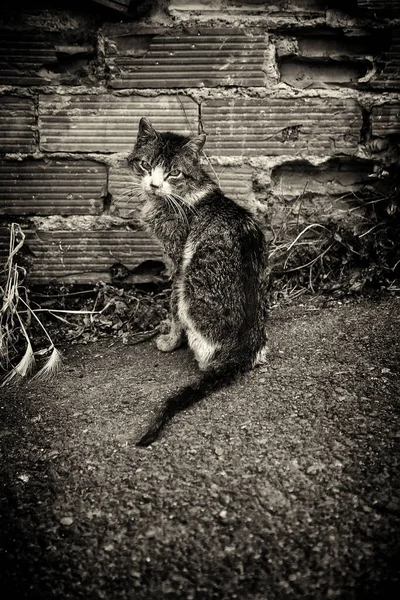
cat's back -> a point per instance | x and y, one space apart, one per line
221 222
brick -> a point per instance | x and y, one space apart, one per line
332 177
340 46
17 124
382 7
123 187
30 58
313 61
304 74
281 126
389 65
76 256
56 187
194 58
22 55
385 120
236 182
118 5
107 123
217 8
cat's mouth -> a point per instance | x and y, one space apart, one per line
155 192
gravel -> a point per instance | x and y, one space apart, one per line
284 486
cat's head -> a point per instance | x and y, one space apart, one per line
168 164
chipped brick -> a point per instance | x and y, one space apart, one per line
22 56
332 177
29 58
313 61
331 46
382 7
105 123
75 256
17 124
389 65
303 74
197 58
281 126
57 187
385 120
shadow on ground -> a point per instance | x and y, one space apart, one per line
285 485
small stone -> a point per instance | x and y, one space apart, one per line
109 547
67 521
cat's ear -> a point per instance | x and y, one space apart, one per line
146 130
195 144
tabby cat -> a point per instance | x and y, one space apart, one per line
218 261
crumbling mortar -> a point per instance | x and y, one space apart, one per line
268 22
12 90
81 223
280 90
197 94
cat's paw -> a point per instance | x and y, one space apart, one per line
168 343
165 326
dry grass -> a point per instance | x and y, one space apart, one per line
342 256
16 317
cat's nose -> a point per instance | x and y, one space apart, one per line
154 186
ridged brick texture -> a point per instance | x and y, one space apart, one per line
289 94
84 256
236 182
388 7
17 124
307 61
197 58
118 5
389 76
105 123
23 56
334 178
280 126
385 120
54 187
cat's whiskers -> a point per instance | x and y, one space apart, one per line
179 208
188 206
174 204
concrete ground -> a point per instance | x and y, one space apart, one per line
284 486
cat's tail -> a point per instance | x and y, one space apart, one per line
211 380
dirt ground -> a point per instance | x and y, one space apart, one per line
284 486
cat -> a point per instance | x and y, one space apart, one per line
218 259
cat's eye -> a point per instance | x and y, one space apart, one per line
175 173
145 165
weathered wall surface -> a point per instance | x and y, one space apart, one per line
299 100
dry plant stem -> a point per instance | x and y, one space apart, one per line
26 364
30 310
311 263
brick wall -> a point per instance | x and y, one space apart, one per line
298 99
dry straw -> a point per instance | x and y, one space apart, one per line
15 320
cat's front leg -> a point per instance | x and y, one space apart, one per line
175 337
